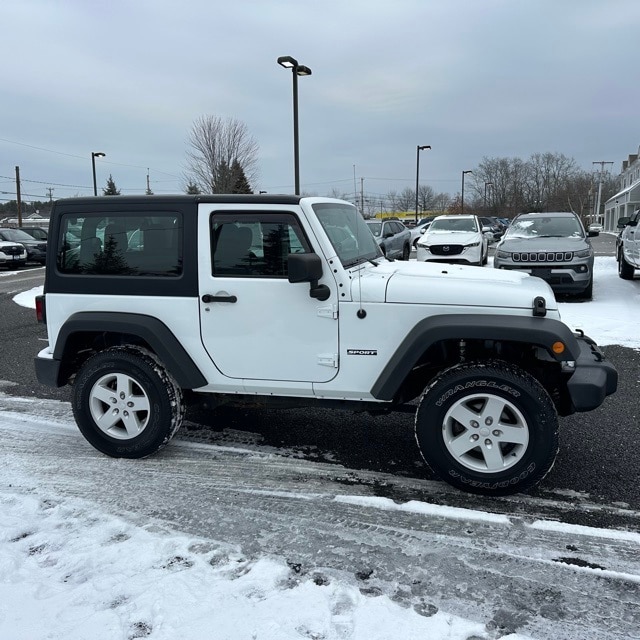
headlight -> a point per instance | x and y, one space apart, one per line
585 253
473 244
504 254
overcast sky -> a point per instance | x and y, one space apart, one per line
471 78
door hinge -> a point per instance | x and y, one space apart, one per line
330 311
328 360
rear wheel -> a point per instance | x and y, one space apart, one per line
406 252
625 270
126 404
488 428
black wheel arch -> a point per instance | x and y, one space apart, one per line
85 328
526 331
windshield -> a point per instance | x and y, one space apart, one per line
453 224
15 235
375 228
348 233
545 227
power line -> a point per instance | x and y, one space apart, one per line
71 155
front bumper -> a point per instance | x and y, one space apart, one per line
468 255
562 278
594 377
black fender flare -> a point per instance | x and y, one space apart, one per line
153 331
541 332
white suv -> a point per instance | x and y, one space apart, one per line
152 302
455 239
12 254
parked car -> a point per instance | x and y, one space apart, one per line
36 232
12 254
553 246
628 246
393 238
595 226
417 232
493 227
454 238
36 249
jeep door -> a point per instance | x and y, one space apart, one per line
255 324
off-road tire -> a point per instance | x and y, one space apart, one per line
125 402
508 440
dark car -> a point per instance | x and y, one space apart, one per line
493 226
36 232
553 246
36 249
393 237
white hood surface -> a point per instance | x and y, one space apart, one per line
449 284
449 237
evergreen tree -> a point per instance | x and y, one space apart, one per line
192 188
111 189
240 183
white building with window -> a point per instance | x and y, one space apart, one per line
627 200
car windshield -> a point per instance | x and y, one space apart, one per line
349 234
453 224
375 228
15 235
545 227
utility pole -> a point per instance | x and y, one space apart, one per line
50 190
597 211
362 196
18 199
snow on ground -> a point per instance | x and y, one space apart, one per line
68 570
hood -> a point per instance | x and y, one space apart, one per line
449 237
449 284
542 244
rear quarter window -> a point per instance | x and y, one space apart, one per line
121 245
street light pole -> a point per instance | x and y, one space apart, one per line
94 155
419 148
297 70
464 173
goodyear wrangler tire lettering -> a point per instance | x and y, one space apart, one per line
489 428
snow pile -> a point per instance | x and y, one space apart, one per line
70 571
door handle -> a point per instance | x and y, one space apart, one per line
209 298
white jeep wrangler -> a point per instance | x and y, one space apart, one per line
154 301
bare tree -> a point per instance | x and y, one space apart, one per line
216 145
407 199
426 197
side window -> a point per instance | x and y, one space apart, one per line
255 245
121 245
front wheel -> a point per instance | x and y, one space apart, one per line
488 428
126 404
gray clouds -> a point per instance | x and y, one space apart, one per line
472 78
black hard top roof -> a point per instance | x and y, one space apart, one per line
231 198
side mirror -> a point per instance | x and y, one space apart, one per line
307 267
389 234
623 221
